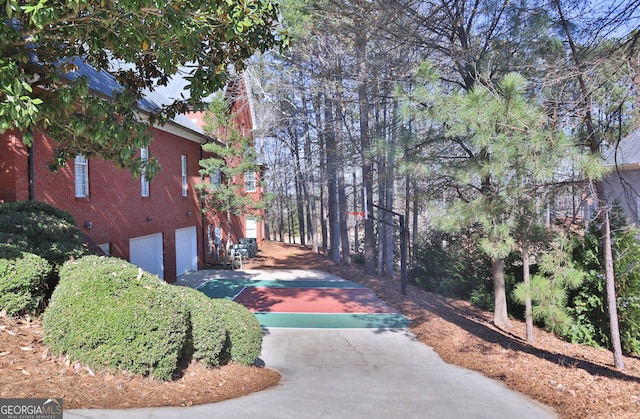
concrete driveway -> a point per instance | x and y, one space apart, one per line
351 373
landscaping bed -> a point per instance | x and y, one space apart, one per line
576 380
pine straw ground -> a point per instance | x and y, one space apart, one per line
577 381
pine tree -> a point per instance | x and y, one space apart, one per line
233 155
503 153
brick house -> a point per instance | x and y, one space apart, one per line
157 225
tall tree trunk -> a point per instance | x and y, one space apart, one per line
408 195
528 309
290 224
343 208
612 305
408 215
416 210
365 143
267 229
281 216
300 209
382 217
356 195
323 173
390 190
324 228
310 212
310 220
594 146
343 204
500 314
332 181
310 199
298 180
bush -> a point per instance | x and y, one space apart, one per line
107 313
207 335
588 304
243 333
22 279
40 229
451 264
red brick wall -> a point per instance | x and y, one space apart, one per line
14 168
115 206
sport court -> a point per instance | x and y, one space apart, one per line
303 299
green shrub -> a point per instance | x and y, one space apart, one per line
106 312
244 334
22 279
451 264
207 335
588 304
40 229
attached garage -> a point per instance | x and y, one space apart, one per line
251 228
146 252
186 250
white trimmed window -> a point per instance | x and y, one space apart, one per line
144 182
183 174
81 171
250 181
215 178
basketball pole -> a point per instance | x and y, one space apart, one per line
403 245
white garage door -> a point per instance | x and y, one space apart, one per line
146 252
251 228
186 250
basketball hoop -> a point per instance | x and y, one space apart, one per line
353 217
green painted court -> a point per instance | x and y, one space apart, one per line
307 303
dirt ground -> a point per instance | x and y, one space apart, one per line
578 381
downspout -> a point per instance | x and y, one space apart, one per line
31 170
203 218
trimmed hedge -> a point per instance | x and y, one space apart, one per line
244 334
22 279
41 229
106 312
207 336
221 330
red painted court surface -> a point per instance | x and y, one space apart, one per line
307 302
311 300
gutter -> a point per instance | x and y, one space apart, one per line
31 172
